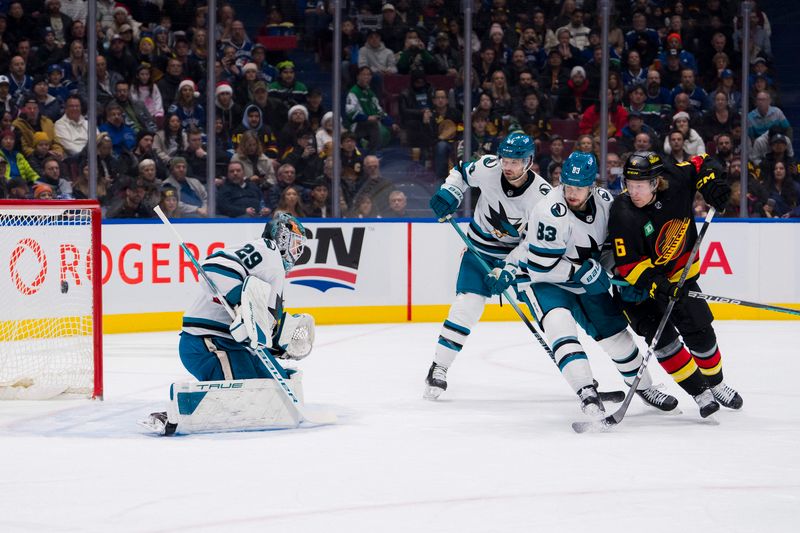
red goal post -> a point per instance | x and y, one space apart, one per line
51 336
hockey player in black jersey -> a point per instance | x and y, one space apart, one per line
652 232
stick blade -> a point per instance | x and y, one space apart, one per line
594 426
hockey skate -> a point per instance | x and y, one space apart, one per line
660 400
708 405
435 382
726 396
591 404
158 423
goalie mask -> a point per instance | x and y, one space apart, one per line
288 235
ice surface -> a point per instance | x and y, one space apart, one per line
494 454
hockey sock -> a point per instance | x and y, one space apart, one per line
562 333
464 314
623 351
710 365
678 362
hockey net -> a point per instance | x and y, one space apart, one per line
50 299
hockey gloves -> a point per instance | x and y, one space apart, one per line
446 201
237 329
498 280
593 277
713 186
663 289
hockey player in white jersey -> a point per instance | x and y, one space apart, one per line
509 190
568 285
214 347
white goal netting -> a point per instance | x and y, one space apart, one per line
47 300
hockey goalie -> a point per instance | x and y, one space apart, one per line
235 391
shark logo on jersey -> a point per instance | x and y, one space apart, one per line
587 252
604 195
545 188
503 226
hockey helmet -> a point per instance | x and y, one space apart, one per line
516 146
289 236
579 170
643 166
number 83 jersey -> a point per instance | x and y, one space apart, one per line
228 268
559 240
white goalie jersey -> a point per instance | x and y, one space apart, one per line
502 211
228 269
559 240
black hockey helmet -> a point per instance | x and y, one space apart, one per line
643 166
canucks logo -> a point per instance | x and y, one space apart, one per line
502 226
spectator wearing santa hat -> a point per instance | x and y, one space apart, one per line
227 109
187 106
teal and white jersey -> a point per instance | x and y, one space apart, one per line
559 239
228 268
501 214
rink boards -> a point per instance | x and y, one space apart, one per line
392 271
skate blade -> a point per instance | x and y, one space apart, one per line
154 426
432 393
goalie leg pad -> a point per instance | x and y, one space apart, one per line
237 405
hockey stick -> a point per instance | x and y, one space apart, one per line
616 418
258 352
610 396
725 300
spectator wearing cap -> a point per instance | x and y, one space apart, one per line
675 42
147 172
287 88
759 69
49 106
72 129
765 116
393 28
41 152
273 111
304 157
187 106
239 197
671 70
121 18
145 53
570 55
192 195
319 203
17 165
132 204
726 86
145 92
52 176
445 54
720 118
617 118
364 111
169 203
120 59
49 51
779 149
698 97
296 125
574 97
57 86
20 83
144 149
578 31
29 122
377 57
266 71
122 136
497 42
693 143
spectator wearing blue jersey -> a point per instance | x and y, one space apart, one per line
122 136
764 116
674 42
698 97
655 92
643 39
634 73
19 81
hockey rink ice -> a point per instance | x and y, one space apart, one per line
495 454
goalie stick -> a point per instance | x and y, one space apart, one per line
258 352
615 418
610 396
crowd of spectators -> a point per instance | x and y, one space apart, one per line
673 87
